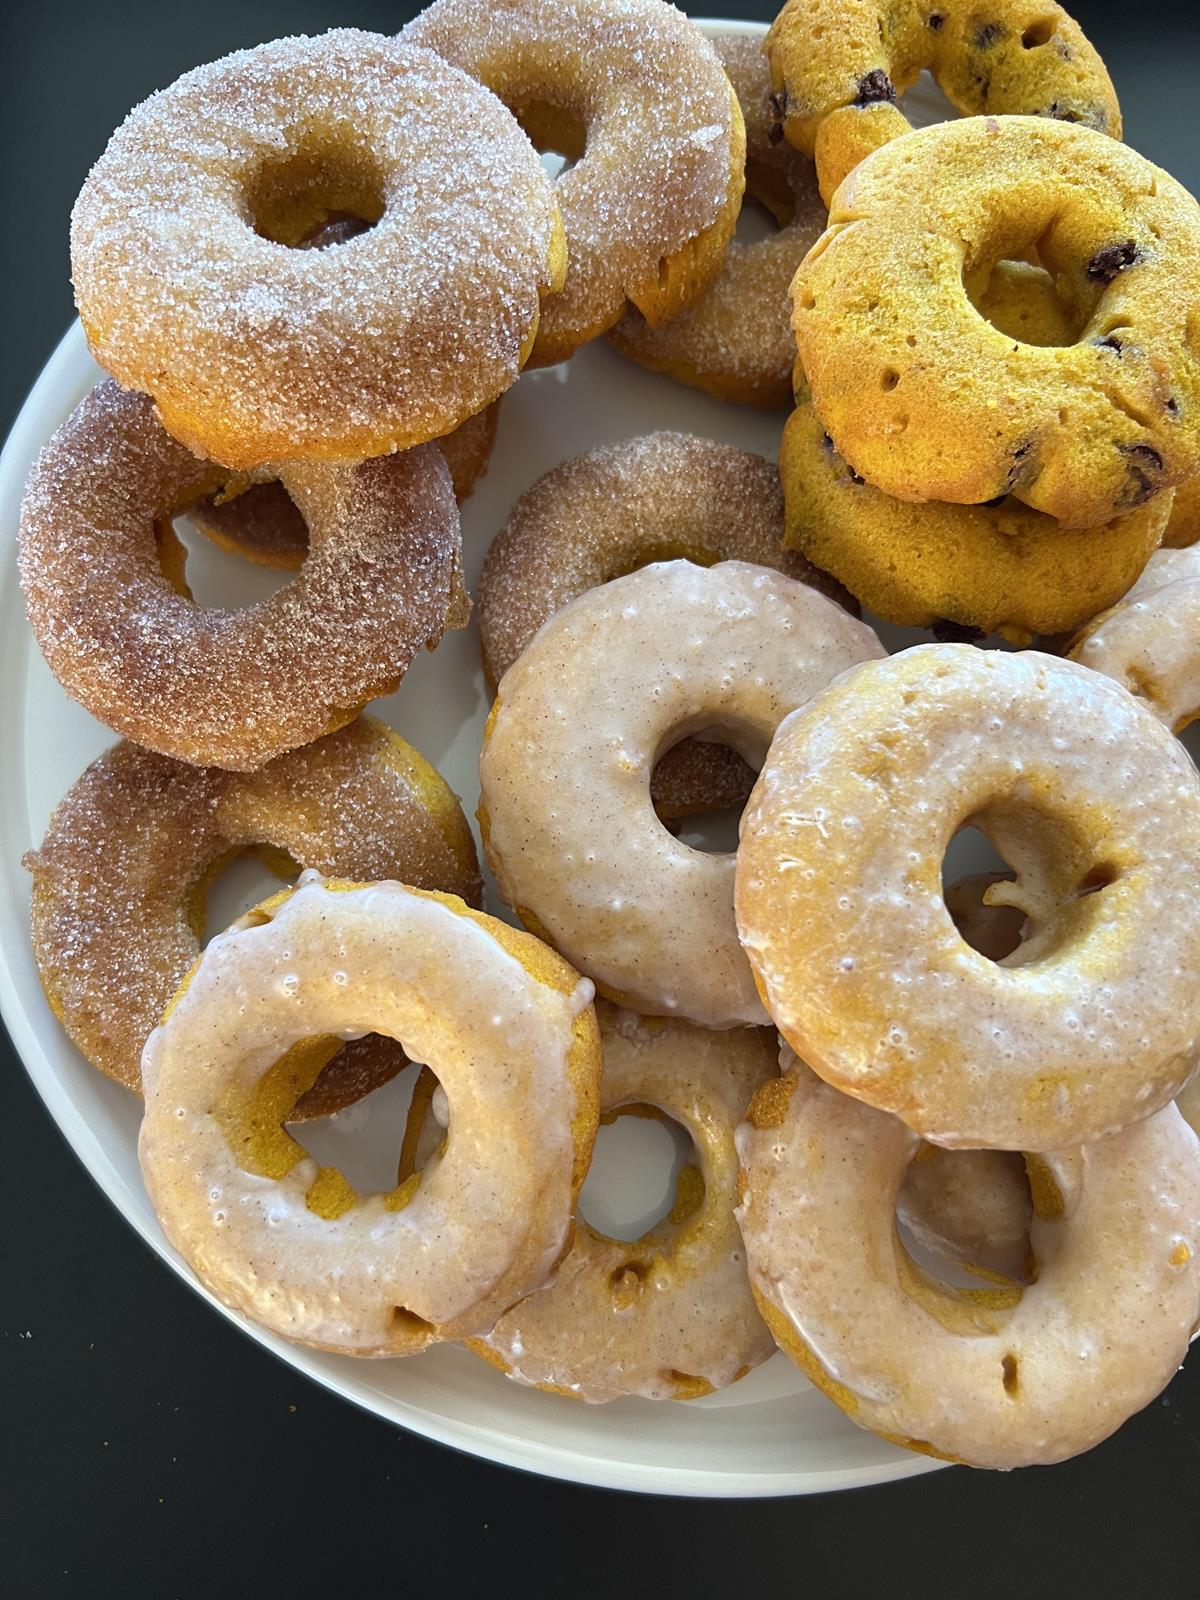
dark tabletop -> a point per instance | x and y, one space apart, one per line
149 1449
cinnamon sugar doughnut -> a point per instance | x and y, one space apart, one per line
994 1377
580 719
1095 807
633 94
668 1316
883 305
228 688
606 513
1150 640
737 342
256 352
120 878
509 1029
837 69
1001 567
260 522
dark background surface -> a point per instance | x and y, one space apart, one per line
148 1449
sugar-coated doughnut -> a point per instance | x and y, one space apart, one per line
1001 1377
837 69
668 1316
882 307
737 342
581 717
634 96
510 1031
120 878
112 616
1096 809
1150 640
256 352
969 1206
601 515
1001 568
261 522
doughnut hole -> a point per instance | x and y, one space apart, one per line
1021 300
710 761
643 1175
965 1215
556 133
233 575
755 223
234 883
315 198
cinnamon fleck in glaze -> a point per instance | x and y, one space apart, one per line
510 1031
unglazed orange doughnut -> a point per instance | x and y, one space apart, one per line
1150 640
737 341
228 688
837 69
994 1377
510 1031
120 878
1184 526
1096 808
256 352
668 1316
1000 568
633 94
607 684
261 522
611 511
882 306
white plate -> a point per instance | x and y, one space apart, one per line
770 1434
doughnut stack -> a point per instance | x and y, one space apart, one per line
944 1147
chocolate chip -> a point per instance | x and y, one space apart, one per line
935 21
774 133
988 35
1173 406
947 632
1062 113
1018 471
1106 264
1111 342
875 86
1145 471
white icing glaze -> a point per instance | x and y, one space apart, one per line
1094 1339
489 1219
608 683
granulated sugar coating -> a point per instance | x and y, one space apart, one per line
229 688
596 517
634 94
119 881
737 341
258 352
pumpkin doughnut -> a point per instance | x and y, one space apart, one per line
633 94
668 1316
228 688
606 513
581 717
1184 526
256 352
1000 568
737 342
1150 640
994 1377
883 304
260 522
837 70
840 910
120 878
508 1027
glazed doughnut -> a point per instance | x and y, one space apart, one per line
992 1378
969 1206
668 1316
606 513
634 95
508 1027
883 304
1095 807
836 76
1150 640
737 341
120 879
260 522
1000 568
255 352
606 685
228 688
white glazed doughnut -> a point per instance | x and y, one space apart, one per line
505 1023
